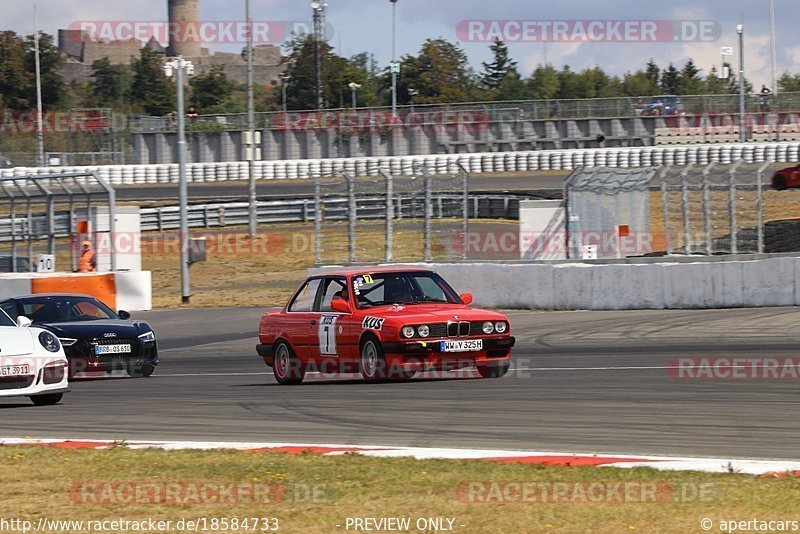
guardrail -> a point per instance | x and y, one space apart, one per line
492 162
233 214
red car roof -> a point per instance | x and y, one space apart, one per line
350 271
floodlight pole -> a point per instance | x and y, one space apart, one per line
251 128
40 162
394 58
178 65
742 108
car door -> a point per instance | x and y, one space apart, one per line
329 331
300 316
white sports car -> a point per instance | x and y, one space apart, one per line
32 363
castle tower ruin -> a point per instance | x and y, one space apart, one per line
183 13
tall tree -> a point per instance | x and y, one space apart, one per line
653 73
212 92
789 82
495 73
54 93
440 74
544 83
152 91
670 79
690 82
15 78
110 85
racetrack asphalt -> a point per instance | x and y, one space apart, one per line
581 382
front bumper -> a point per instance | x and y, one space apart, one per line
82 357
428 353
29 385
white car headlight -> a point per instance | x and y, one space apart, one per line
488 327
147 337
408 331
500 327
49 342
424 330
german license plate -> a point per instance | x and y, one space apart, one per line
112 349
462 345
15 370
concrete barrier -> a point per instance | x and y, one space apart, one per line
130 291
616 286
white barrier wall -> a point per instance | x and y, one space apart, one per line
130 291
539 160
584 286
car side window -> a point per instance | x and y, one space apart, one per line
304 301
11 309
334 288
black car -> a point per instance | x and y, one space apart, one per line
95 338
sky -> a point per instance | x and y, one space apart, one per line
366 26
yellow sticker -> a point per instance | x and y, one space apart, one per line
368 278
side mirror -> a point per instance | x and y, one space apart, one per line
124 315
466 298
340 305
23 322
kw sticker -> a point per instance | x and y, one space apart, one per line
372 323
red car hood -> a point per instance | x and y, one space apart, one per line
433 313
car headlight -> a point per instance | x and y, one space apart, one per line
500 327
408 331
488 327
148 337
424 330
67 342
49 342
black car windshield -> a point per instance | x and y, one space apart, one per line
408 288
65 309
5 320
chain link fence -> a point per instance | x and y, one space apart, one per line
693 209
406 217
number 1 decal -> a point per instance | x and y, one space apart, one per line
327 335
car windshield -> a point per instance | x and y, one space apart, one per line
5 320
65 309
408 288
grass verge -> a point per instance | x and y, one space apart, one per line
314 493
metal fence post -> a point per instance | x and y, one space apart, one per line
428 209
389 216
760 205
351 216
707 208
465 223
732 207
665 207
687 236
317 223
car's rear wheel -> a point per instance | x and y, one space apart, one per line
492 371
287 368
779 182
47 400
372 363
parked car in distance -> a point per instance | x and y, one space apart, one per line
664 105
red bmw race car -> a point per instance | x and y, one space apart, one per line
786 178
387 324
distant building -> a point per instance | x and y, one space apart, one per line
81 50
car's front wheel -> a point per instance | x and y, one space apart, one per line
47 400
140 371
287 368
492 371
372 363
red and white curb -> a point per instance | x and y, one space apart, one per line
664 463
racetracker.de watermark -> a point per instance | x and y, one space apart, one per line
603 242
195 493
199 32
584 492
591 31
726 368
